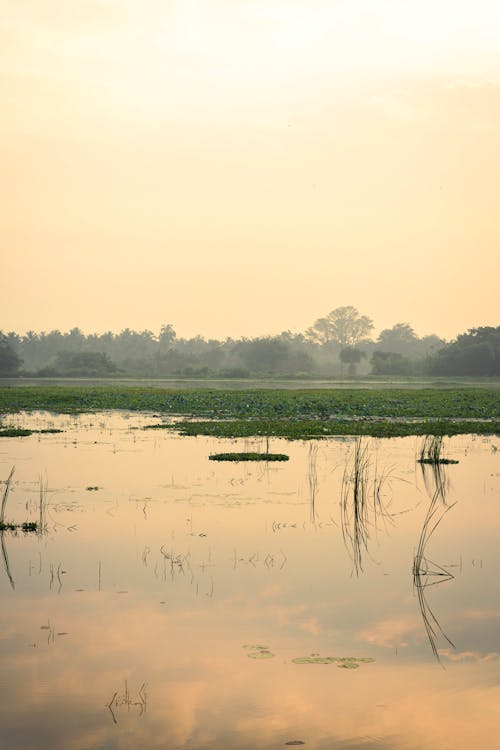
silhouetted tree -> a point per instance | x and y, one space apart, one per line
476 352
10 362
401 339
343 326
352 356
390 363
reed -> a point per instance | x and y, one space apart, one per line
354 506
431 451
5 496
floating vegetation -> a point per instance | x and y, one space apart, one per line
431 451
257 651
342 662
292 413
91 488
442 403
293 428
248 457
22 432
15 432
25 526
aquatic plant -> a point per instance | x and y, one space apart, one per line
14 432
353 503
5 495
362 501
342 662
294 428
431 451
248 457
425 571
258 651
312 477
25 526
436 403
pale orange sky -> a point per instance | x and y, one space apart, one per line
242 167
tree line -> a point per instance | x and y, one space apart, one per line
337 345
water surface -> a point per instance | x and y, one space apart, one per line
134 619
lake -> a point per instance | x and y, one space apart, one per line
174 602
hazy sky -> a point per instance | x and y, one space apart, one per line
240 167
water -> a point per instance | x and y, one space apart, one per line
124 625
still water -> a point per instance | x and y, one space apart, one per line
175 602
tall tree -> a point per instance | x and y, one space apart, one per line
10 362
343 326
400 339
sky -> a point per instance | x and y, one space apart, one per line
242 167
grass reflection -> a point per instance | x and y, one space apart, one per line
363 503
426 572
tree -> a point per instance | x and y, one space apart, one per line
10 362
82 364
476 352
343 326
352 356
166 338
400 339
390 363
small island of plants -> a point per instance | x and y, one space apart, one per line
248 457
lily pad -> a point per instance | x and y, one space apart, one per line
258 651
343 662
260 655
314 660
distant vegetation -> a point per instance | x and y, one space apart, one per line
338 345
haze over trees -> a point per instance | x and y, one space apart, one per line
338 344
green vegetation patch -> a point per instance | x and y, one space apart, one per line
27 526
325 403
248 457
22 432
342 662
433 461
258 651
296 429
15 432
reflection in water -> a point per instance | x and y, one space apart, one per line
363 502
124 699
425 572
111 598
5 559
312 477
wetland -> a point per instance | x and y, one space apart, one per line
345 597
